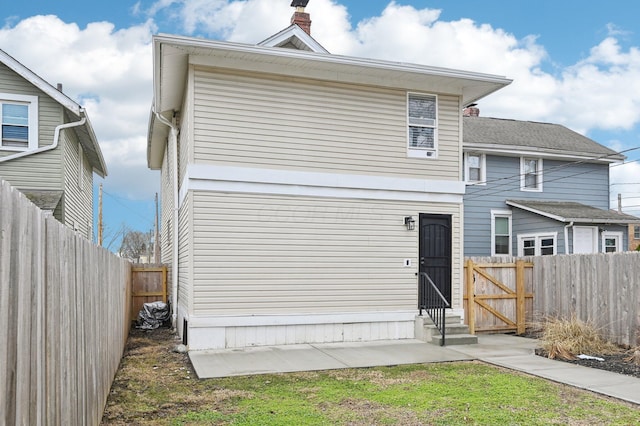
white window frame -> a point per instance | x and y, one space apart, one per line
636 232
523 186
416 152
32 103
502 214
483 168
538 238
617 236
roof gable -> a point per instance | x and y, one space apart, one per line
496 134
85 132
294 37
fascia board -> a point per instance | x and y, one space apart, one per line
540 152
40 83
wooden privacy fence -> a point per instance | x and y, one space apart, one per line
497 295
64 318
601 288
149 284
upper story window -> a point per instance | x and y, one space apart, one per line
19 120
422 120
474 168
531 174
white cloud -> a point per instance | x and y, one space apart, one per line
109 72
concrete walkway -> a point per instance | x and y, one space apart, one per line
512 352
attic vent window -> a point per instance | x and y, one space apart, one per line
18 118
422 118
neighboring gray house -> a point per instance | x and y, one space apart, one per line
537 189
48 149
300 189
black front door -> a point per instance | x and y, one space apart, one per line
435 250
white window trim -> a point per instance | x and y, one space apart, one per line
611 234
483 169
32 102
430 153
538 175
537 237
634 231
500 213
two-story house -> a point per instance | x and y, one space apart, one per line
303 192
537 189
48 149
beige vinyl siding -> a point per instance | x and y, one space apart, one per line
78 199
185 250
185 140
268 254
166 210
41 171
298 124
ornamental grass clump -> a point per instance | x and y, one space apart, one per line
567 338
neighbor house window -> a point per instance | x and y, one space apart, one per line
636 232
422 119
537 244
530 174
500 233
19 122
474 168
611 242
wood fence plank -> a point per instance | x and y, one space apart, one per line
64 324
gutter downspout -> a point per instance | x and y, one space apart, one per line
566 237
56 138
173 139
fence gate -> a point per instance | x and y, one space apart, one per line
497 296
149 284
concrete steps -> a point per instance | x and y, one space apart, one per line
456 333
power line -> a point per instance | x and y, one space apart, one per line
481 193
129 209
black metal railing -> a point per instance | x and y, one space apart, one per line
433 302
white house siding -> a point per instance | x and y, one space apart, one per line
166 217
185 257
78 196
295 124
41 171
276 269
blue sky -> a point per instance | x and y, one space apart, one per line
575 63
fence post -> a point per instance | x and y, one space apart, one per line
471 320
520 305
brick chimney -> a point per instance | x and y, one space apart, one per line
471 111
300 18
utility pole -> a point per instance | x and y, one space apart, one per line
100 216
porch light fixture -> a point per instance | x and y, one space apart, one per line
410 223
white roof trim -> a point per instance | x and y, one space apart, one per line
293 32
62 99
540 153
570 219
40 83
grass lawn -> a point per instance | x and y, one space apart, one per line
157 386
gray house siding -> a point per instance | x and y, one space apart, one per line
586 183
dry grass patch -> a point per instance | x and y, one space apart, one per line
566 338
